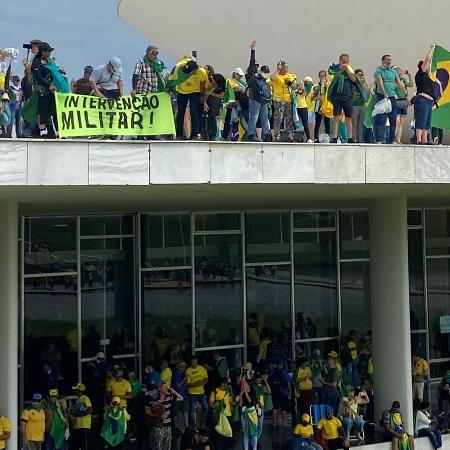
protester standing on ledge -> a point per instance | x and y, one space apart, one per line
148 73
106 80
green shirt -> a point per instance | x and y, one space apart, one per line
388 76
398 92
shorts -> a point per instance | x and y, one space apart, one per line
401 109
311 118
422 112
343 104
280 402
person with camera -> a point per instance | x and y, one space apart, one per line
423 425
106 80
350 411
283 86
260 97
33 48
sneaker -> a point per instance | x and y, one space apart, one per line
436 141
43 132
310 141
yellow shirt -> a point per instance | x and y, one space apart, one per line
119 389
217 396
301 101
253 335
263 347
83 421
419 370
305 385
353 349
330 427
305 431
280 88
192 84
5 427
35 424
194 375
310 103
161 344
166 376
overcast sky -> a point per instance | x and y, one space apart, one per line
83 32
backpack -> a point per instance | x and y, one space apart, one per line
262 92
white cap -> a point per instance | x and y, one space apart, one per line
239 71
116 63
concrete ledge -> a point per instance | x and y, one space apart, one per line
420 444
144 163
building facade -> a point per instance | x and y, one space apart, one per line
132 249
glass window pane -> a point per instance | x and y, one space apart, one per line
434 405
355 297
269 312
216 222
314 219
51 334
438 369
167 314
325 347
267 237
419 344
50 245
437 231
107 296
316 307
414 217
438 285
218 290
354 234
416 280
106 225
166 240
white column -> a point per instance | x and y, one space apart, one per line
390 306
9 317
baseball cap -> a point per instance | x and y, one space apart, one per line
53 393
116 63
308 79
265 69
306 418
45 47
35 41
79 387
239 71
37 397
333 354
5 96
115 399
100 355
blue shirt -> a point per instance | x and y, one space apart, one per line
153 380
178 378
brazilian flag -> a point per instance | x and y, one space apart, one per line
59 424
440 73
250 424
114 426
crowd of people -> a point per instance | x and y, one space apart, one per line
256 104
326 401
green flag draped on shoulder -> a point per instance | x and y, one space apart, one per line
440 73
114 426
179 74
59 424
250 424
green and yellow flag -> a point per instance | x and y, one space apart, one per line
440 72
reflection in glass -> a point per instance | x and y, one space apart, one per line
107 296
437 231
354 234
50 334
50 245
438 369
106 225
218 290
267 237
438 285
414 217
217 222
314 219
167 314
268 310
355 297
416 280
166 240
316 307
419 344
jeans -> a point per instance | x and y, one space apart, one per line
50 445
435 436
260 423
254 440
348 423
422 112
260 110
352 375
379 123
193 400
195 109
16 119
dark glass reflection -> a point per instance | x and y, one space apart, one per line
416 280
307 348
316 307
50 334
414 217
437 231
167 315
268 312
355 297
419 344
107 296
438 285
50 245
267 237
354 234
217 222
166 240
314 219
106 225
218 290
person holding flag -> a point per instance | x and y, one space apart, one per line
56 424
114 427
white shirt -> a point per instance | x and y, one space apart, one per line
422 420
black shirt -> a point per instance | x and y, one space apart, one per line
424 84
42 76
